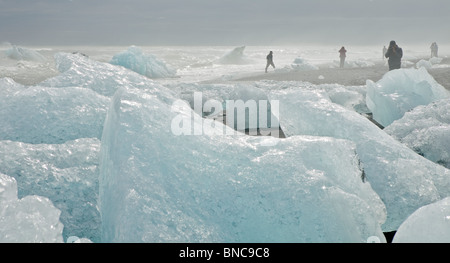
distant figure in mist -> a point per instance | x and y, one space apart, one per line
434 49
342 56
384 52
270 60
394 55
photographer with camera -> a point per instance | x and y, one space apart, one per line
394 54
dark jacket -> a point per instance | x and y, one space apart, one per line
395 54
342 52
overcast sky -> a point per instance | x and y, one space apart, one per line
223 22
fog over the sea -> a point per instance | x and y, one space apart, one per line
223 22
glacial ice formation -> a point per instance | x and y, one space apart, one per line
159 187
235 56
298 64
29 219
66 173
145 64
336 178
429 224
400 91
50 115
424 63
8 86
429 64
301 64
404 180
83 72
426 130
21 53
351 97
239 94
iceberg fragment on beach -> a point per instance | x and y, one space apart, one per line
336 178
351 97
235 56
66 174
301 64
103 78
147 65
424 63
400 91
429 224
21 53
429 64
404 180
50 115
156 186
31 219
426 130
8 87
435 60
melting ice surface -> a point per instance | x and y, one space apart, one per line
392 168
225 188
429 224
400 91
51 115
430 134
28 219
93 152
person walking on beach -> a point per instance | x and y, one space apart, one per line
434 49
342 56
270 60
394 55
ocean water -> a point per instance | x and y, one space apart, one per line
106 153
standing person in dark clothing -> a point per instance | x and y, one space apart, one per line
434 49
270 60
395 54
342 56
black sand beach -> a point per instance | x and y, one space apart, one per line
345 76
